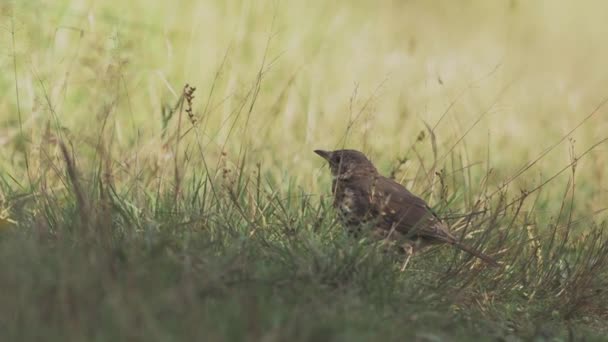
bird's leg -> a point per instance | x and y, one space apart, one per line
408 248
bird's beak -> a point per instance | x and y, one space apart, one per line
325 154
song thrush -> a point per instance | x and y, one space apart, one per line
366 199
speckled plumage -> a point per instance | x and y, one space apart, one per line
365 199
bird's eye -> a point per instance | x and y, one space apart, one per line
337 159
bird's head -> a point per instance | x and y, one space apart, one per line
347 163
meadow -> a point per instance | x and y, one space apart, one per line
158 180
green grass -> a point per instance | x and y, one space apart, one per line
133 207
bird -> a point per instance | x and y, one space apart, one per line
366 202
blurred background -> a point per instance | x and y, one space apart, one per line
498 82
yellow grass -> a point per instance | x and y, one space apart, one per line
360 74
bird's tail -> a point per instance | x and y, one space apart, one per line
489 260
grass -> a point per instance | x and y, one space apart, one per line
157 180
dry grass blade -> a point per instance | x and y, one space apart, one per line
84 210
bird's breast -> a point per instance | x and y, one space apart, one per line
348 202
352 205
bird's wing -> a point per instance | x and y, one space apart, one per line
405 212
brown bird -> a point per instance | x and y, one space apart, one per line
364 198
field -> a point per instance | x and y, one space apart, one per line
158 180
